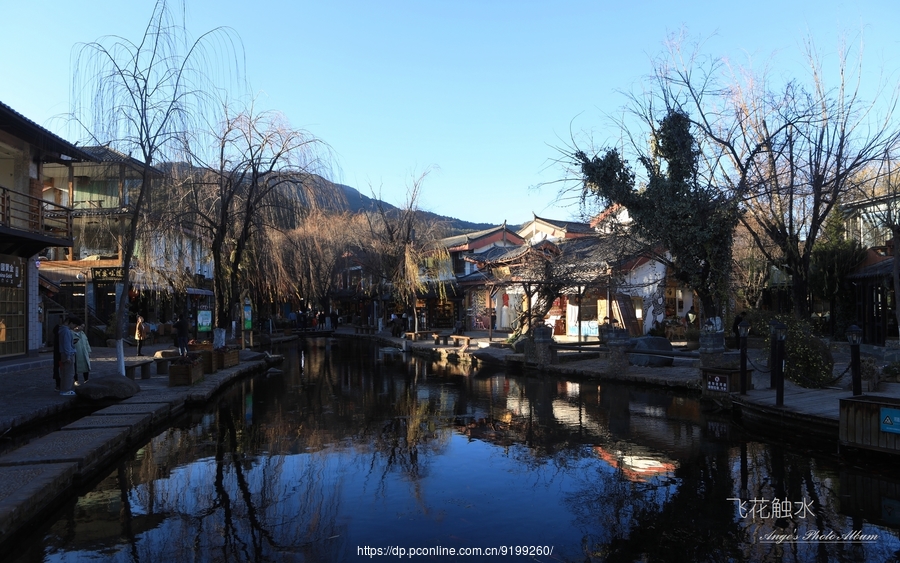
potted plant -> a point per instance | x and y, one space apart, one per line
226 356
197 345
185 370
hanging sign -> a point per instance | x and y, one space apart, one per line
11 268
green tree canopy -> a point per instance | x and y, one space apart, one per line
690 221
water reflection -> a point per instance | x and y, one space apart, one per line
356 446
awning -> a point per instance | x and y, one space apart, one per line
884 268
197 291
143 286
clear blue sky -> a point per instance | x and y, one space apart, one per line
483 92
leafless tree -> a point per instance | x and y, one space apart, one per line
139 98
253 180
787 153
317 249
400 250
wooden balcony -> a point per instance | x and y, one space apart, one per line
29 224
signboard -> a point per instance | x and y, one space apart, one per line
112 274
11 270
717 382
204 321
890 420
248 317
588 328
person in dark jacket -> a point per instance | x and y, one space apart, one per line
66 357
181 335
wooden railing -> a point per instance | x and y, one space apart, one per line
25 213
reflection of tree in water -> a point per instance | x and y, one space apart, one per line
237 507
691 519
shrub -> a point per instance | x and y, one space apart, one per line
808 360
892 371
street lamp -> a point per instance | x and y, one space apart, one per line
854 337
743 331
781 331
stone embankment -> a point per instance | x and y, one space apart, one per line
52 443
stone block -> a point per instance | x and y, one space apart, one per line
656 344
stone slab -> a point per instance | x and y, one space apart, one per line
158 411
173 398
136 423
85 448
26 490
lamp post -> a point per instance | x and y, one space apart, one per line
773 351
854 337
780 336
743 331
84 275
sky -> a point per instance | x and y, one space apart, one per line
483 97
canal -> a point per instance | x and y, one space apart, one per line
357 452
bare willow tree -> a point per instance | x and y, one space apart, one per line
316 249
255 176
400 251
787 154
140 98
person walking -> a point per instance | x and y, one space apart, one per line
82 353
140 332
66 358
181 336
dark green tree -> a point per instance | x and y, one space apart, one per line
834 257
689 222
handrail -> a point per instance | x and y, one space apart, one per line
603 348
26 213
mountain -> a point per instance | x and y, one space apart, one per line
357 202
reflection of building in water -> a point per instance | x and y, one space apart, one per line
637 464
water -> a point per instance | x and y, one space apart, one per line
356 449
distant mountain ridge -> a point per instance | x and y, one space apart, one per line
357 202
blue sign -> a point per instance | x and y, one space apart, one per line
890 420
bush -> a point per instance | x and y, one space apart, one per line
808 360
892 371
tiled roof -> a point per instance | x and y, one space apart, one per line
23 128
